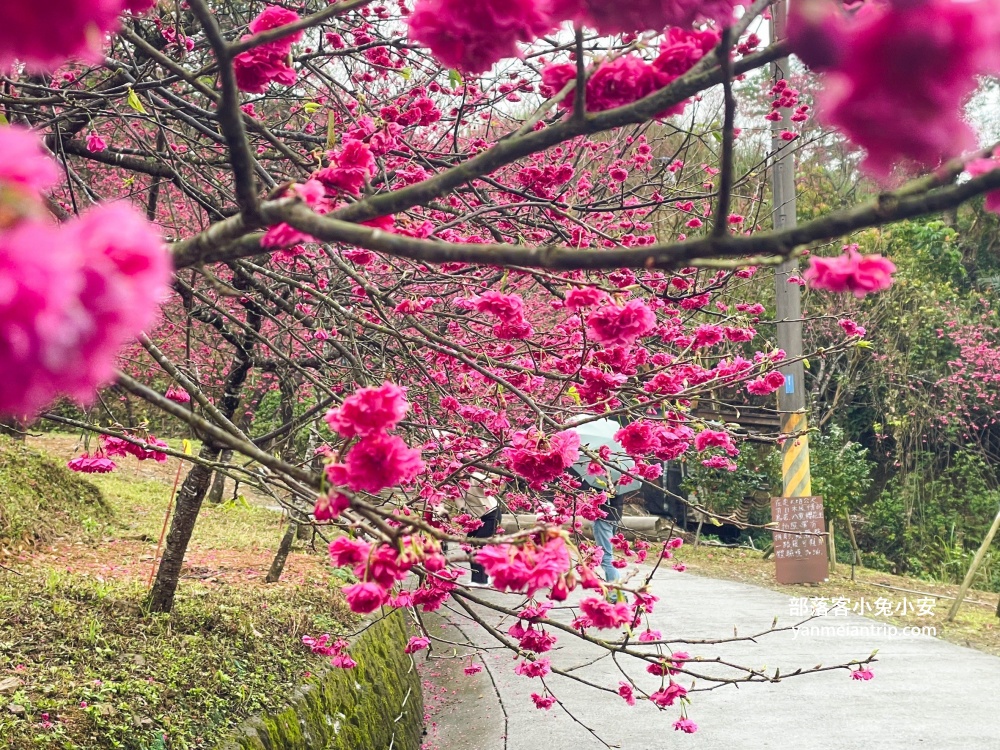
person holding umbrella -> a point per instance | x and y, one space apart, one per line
595 433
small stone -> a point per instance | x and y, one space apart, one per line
16 709
10 684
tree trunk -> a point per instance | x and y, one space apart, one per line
976 562
854 539
219 482
832 547
189 500
278 564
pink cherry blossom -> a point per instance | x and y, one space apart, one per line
376 462
369 411
95 143
850 272
897 75
851 328
178 395
66 29
541 458
610 17
767 384
525 568
471 36
611 324
363 598
257 68
978 167
24 164
330 506
580 298
626 692
686 725
70 298
92 464
604 615
862 674
416 643
668 696
345 551
537 668
543 701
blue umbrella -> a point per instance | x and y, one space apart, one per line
595 435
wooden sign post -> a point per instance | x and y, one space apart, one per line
800 553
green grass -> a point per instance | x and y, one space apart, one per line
41 499
97 671
109 676
140 506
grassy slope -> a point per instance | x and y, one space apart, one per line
74 635
40 499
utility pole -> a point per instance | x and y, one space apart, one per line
796 480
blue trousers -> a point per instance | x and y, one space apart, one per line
604 529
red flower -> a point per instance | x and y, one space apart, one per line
363 598
686 725
541 701
416 644
668 695
604 615
92 464
540 458
369 411
472 38
625 691
611 324
537 668
850 272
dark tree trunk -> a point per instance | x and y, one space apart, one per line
196 484
189 500
278 564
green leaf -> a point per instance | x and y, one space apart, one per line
454 78
135 102
406 73
3 119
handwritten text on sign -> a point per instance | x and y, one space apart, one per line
800 552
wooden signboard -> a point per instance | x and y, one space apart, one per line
800 555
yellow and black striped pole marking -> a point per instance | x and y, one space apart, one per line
796 480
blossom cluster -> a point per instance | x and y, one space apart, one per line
258 67
66 29
627 78
472 36
540 458
71 295
897 75
377 460
850 272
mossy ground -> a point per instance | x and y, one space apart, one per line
41 500
91 669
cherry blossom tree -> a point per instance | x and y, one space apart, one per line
428 238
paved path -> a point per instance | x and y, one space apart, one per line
926 692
